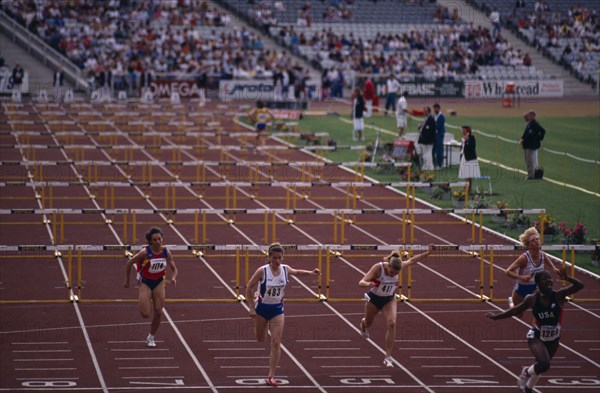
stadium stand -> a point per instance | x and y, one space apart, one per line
564 31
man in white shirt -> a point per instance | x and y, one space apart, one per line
401 113
391 87
495 19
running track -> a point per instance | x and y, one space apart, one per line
100 347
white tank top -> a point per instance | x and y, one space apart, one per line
531 268
387 284
272 287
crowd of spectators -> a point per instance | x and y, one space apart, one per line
433 51
118 40
567 32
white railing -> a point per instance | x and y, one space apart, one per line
35 45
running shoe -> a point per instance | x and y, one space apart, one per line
388 362
363 329
523 378
511 304
150 341
272 382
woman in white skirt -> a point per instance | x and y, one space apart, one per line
469 166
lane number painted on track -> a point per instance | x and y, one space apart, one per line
178 382
573 382
365 381
259 381
49 384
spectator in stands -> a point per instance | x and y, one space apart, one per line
427 140
1 61
358 109
440 132
469 166
402 114
17 76
369 96
391 89
495 19
531 140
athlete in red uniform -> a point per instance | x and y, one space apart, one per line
151 264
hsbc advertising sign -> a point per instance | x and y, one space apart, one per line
230 90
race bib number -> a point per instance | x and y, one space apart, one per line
387 289
274 292
157 265
549 333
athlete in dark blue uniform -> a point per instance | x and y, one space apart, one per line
544 335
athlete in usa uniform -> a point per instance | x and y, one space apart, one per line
382 281
544 336
264 294
151 265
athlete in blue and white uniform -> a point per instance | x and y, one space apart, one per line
527 264
544 336
382 281
267 307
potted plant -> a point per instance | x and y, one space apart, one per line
441 192
458 199
575 235
547 225
501 217
479 201
518 221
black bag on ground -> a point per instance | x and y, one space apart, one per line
539 173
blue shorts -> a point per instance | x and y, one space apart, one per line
261 126
524 289
153 283
378 301
269 311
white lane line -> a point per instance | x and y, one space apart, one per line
323 341
447 366
463 376
512 349
241 357
332 349
41 343
148 368
426 349
229 341
148 358
235 349
267 366
419 341
341 357
46 378
43 360
439 357
154 377
359 366
47 369
503 341
139 349
41 351
190 352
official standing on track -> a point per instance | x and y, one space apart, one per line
544 336
382 281
526 265
265 305
151 264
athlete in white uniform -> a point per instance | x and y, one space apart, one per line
526 265
267 309
382 281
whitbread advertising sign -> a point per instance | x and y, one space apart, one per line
523 88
